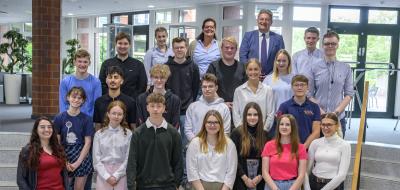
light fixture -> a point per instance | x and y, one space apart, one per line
151 6
70 14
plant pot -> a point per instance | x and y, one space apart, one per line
12 86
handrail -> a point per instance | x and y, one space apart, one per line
357 161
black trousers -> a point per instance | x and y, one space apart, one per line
318 185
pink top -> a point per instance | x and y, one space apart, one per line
283 167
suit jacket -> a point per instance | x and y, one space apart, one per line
250 49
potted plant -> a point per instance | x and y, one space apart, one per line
68 62
15 58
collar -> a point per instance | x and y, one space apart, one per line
295 103
116 98
266 34
164 124
213 41
246 86
109 128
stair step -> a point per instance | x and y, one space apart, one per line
9 155
13 139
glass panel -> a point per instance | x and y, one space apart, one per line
378 49
277 10
307 13
345 15
378 87
84 40
100 50
347 51
139 46
17 27
28 27
83 23
187 15
235 31
122 19
382 17
141 19
164 17
100 21
233 12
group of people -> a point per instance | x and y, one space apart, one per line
194 117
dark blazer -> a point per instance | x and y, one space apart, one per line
250 48
27 179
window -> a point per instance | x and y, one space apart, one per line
141 19
122 19
277 10
83 23
28 27
139 46
164 17
187 15
100 21
100 49
307 13
84 40
235 31
232 12
345 15
17 27
382 17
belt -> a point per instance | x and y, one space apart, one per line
321 180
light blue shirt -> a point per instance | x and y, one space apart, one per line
329 83
282 88
303 59
204 57
155 56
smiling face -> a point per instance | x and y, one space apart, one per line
331 44
179 49
45 130
253 71
161 38
285 127
212 125
209 29
114 81
282 63
264 22
311 39
75 99
159 81
81 64
329 127
122 46
252 117
228 50
115 115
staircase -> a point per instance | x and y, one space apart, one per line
380 167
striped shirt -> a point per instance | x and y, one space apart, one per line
303 59
155 56
329 83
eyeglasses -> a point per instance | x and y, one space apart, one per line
330 44
327 125
299 85
212 123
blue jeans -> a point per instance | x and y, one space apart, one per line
343 123
282 184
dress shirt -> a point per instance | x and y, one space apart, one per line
155 56
111 146
330 159
303 59
260 42
329 83
211 166
203 57
164 124
264 97
282 88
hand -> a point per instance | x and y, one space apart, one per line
229 104
112 181
249 183
69 168
257 179
74 165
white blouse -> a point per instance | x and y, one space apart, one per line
111 146
211 166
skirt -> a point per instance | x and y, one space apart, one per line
73 152
101 184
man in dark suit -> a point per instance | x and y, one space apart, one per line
262 44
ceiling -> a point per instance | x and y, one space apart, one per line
21 10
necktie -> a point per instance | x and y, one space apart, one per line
264 54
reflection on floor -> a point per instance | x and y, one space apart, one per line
16 118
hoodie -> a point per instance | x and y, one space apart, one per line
184 81
196 112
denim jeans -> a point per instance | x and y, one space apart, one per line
282 184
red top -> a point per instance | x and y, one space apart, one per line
283 167
49 173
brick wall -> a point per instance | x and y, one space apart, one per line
46 18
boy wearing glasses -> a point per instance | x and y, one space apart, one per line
306 112
155 155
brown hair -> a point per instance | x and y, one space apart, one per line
209 77
221 138
331 34
160 29
123 123
246 140
201 36
294 136
35 147
122 35
77 90
312 30
253 60
179 40
335 118
160 70
275 73
82 53
299 78
155 98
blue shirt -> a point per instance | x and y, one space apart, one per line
305 115
155 56
203 57
282 88
90 84
73 129
303 60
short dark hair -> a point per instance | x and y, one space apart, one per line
78 90
331 34
160 29
115 70
210 78
179 40
299 78
121 36
311 30
201 36
155 98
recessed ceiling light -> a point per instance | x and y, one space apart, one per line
151 6
70 14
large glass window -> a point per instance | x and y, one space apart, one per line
122 19
100 21
28 27
100 49
84 40
187 15
83 23
141 19
345 15
298 39
277 10
232 12
163 17
139 46
382 17
307 13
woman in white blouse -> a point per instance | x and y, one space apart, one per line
111 149
254 91
329 156
281 77
211 158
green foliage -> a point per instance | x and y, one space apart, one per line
16 50
68 62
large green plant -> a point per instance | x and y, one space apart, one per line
68 62
15 50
